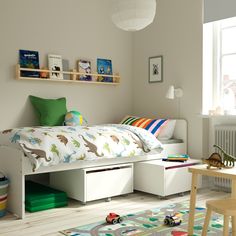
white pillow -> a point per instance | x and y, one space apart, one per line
167 131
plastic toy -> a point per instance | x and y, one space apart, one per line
74 118
113 218
214 161
179 233
173 220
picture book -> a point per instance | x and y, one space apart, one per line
29 59
84 66
177 157
185 156
55 65
66 67
104 66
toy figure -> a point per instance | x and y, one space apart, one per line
227 159
215 161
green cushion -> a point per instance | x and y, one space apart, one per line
37 195
50 112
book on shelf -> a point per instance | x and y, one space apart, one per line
66 67
84 66
29 59
55 65
104 66
177 157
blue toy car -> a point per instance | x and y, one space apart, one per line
173 220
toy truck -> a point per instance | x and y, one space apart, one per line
173 220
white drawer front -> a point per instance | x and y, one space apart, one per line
108 183
177 180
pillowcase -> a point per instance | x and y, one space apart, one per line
152 125
50 112
167 131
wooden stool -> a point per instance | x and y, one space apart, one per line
226 207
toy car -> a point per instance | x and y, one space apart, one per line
113 218
173 220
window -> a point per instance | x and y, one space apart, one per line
219 67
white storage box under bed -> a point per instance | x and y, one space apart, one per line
163 178
94 183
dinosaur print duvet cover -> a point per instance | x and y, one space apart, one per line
47 146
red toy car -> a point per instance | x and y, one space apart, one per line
113 218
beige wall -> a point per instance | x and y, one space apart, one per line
83 29
177 35
74 29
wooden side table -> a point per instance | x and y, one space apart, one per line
214 172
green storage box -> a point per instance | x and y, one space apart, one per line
45 206
39 197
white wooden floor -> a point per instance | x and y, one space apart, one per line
51 221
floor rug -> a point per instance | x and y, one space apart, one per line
150 222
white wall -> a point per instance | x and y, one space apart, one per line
74 29
83 29
216 10
177 35
219 9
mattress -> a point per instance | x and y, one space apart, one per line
171 141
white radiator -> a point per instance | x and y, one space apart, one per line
225 137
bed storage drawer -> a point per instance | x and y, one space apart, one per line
95 183
163 178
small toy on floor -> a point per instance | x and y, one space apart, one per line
179 233
113 218
173 219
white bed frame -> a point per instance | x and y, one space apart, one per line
16 166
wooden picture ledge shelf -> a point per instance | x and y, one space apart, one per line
73 76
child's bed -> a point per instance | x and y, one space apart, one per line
16 164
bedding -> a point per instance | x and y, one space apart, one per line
167 132
154 126
47 146
161 128
171 141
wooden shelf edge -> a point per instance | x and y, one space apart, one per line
67 81
73 72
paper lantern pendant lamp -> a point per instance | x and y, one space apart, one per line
133 15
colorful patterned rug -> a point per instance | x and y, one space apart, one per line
150 222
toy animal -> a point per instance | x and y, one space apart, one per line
227 159
113 218
214 161
173 220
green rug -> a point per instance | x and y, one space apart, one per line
150 222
